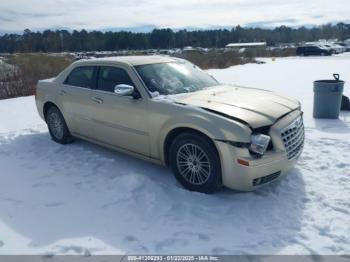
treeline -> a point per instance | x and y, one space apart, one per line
63 40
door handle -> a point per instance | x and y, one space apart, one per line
97 100
62 92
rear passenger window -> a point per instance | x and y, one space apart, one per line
81 77
109 77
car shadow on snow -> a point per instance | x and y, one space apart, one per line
57 194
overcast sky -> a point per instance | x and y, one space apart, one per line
16 15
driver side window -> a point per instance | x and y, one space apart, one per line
110 76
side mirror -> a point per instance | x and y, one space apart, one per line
124 90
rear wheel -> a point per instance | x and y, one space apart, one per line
57 126
195 163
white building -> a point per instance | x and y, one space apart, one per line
246 45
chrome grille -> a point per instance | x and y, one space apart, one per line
293 138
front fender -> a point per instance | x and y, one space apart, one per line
214 126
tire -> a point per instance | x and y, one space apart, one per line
57 126
195 163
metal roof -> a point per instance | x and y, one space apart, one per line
253 44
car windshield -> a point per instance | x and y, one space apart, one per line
174 78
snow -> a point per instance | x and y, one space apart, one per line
84 199
293 76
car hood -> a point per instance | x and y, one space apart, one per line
256 107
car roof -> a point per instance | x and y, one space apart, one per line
129 60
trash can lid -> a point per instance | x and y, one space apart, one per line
329 81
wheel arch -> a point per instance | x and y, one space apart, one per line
172 134
46 107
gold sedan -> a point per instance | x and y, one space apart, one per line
170 112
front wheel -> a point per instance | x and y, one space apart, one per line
195 163
57 126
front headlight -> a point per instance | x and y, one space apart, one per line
259 143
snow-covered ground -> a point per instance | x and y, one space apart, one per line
82 198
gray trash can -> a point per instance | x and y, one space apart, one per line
327 97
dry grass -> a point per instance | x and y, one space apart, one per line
216 59
33 67
277 52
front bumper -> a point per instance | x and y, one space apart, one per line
261 171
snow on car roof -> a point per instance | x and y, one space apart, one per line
131 60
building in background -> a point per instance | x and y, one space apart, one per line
246 45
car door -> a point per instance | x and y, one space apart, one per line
314 50
318 50
121 121
76 101
307 51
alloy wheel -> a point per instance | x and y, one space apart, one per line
56 125
193 164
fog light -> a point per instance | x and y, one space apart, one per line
257 181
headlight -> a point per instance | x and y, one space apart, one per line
259 143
